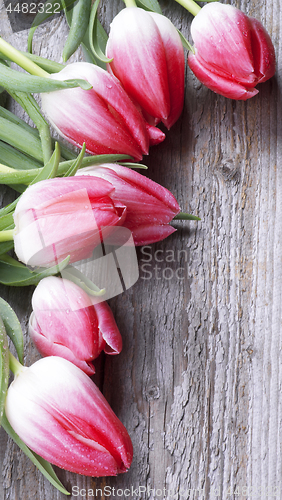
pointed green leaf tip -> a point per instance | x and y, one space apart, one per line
184 216
79 23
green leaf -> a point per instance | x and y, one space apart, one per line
43 16
72 274
133 165
95 35
4 367
91 160
31 107
13 275
6 246
28 176
9 208
19 176
6 221
151 5
102 37
89 57
50 169
185 42
17 81
5 113
79 23
76 164
20 188
46 64
184 216
13 327
20 138
11 156
45 467
10 260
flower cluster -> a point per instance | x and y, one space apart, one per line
70 209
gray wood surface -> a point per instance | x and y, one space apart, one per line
198 381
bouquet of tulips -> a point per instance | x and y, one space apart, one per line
71 206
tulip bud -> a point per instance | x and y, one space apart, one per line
233 52
148 59
58 217
104 117
58 411
149 206
65 323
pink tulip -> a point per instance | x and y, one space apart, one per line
233 52
58 412
103 117
65 323
148 59
150 207
58 217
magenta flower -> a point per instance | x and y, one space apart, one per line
58 217
65 323
103 117
233 52
58 412
149 206
148 59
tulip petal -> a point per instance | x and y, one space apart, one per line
221 34
60 414
263 48
50 348
148 234
150 207
175 66
134 179
132 57
54 188
63 312
67 222
223 86
108 328
103 117
155 134
233 53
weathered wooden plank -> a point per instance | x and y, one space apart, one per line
198 381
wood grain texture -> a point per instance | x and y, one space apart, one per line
198 381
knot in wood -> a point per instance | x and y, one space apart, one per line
152 392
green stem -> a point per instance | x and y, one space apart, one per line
190 5
14 176
15 366
45 64
130 3
8 115
20 59
7 235
184 216
31 107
